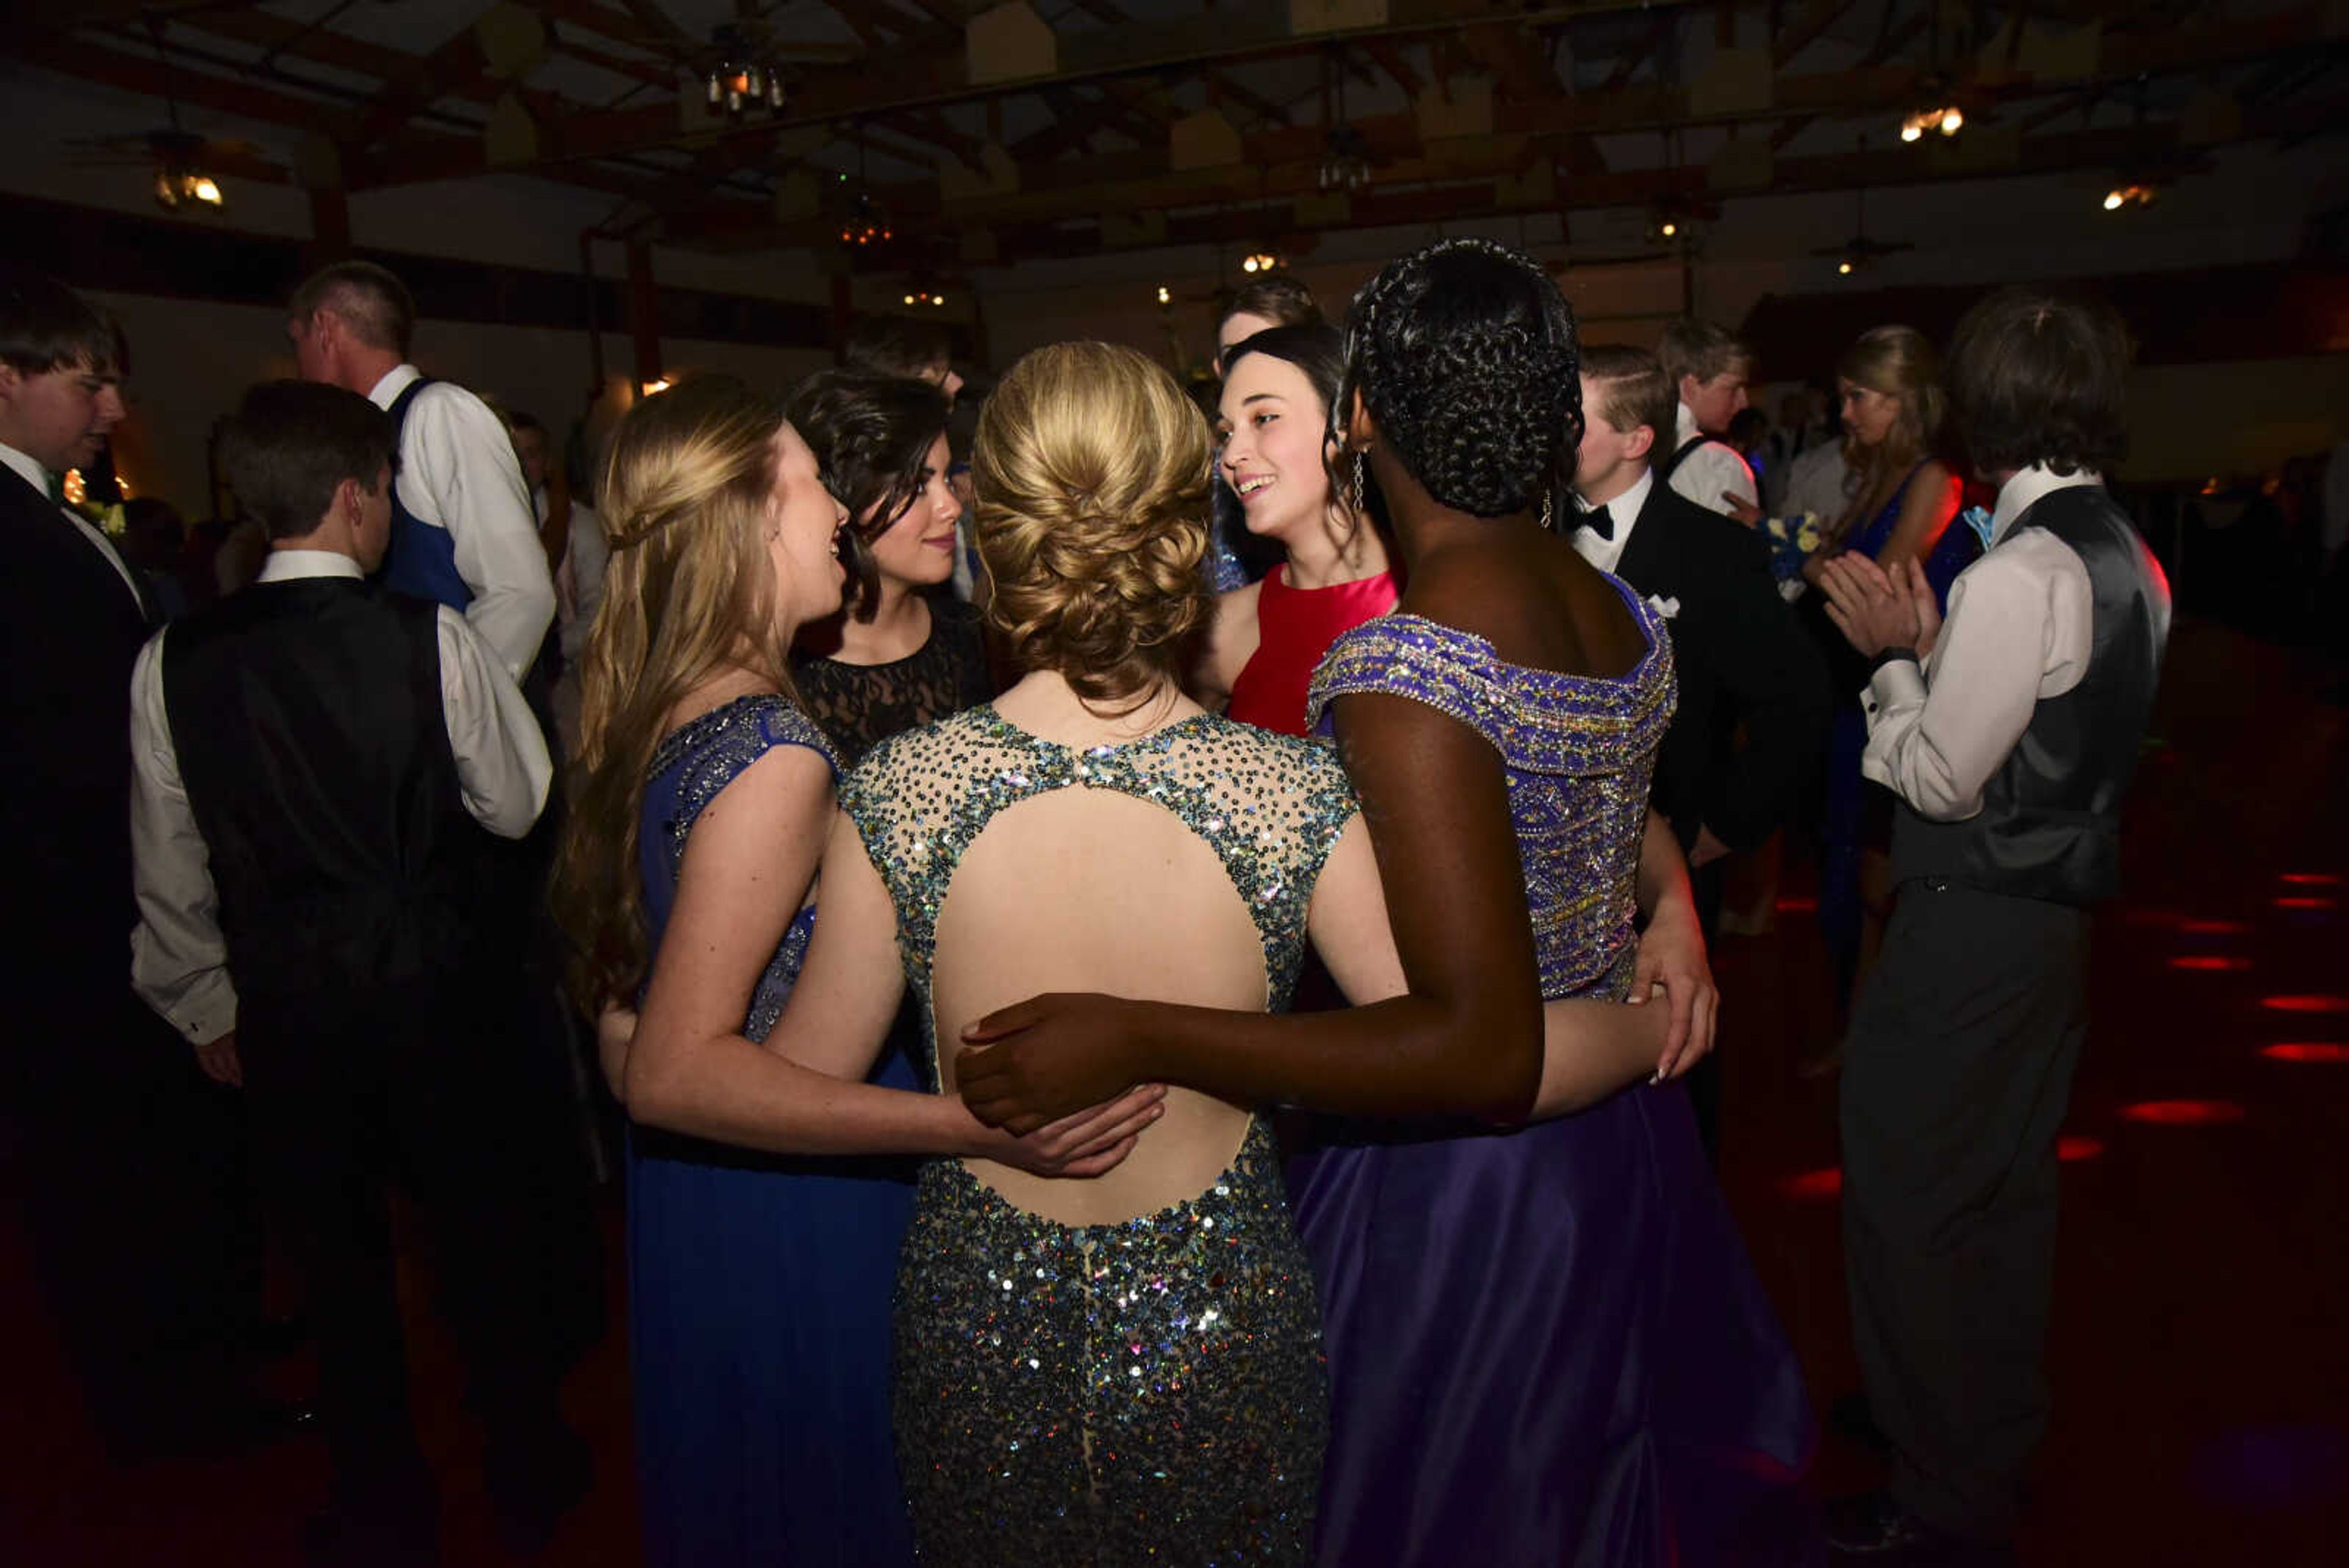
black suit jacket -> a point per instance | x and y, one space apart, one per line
1743 660
70 632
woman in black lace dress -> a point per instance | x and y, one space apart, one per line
900 654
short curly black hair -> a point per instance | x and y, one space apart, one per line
1467 357
2035 377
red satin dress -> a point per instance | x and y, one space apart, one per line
1295 626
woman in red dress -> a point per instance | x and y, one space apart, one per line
1279 459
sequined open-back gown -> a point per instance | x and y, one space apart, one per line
1546 1346
1149 1391
759 1284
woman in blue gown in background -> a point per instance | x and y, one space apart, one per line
1903 503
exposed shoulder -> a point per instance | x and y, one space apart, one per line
908 757
1296 767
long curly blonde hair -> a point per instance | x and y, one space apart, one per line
690 593
1091 472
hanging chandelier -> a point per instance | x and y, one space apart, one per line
179 181
744 77
1345 165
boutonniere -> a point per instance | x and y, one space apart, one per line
107 520
1665 608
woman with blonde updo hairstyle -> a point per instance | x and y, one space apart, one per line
758 1287
1091 471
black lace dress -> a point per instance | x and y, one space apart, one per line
859 706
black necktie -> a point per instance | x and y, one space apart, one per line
1598 521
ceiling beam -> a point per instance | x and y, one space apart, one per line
1214 38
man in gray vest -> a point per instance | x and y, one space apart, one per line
2009 729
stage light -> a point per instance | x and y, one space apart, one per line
2212 927
2183 1112
1165 295
1843 268
2209 964
1812 1185
2073 1147
2311 878
2306 1051
2298 903
2305 1002
1911 132
1953 120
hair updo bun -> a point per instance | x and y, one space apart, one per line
1090 470
1465 354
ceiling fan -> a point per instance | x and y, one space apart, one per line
1859 252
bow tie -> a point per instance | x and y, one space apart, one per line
1978 518
1598 520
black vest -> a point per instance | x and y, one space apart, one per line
2050 823
307 719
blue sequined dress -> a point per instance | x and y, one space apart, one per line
759 1286
1546 1346
1147 1392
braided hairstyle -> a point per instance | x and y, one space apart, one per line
1466 355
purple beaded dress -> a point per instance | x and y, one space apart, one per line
1546 1346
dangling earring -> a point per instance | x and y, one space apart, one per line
1354 496
1547 528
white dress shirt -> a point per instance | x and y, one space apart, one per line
178 963
1819 483
1711 471
457 472
29 468
2019 628
1623 512
580 591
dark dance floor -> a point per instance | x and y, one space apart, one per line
2200 1350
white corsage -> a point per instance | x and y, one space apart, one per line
1665 607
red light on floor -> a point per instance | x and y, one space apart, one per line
2209 962
2307 904
2305 1003
2311 878
2073 1147
2183 1112
1797 905
2306 1051
2212 928
1812 1185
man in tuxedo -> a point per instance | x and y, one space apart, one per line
2009 729
129 1159
1753 688
319 769
1708 368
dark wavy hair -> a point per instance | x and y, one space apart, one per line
1467 357
872 437
2036 377
1319 351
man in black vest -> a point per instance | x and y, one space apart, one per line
125 1158
319 767
1753 688
2008 730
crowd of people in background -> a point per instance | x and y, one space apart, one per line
1500 672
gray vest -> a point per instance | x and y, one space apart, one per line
2050 823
